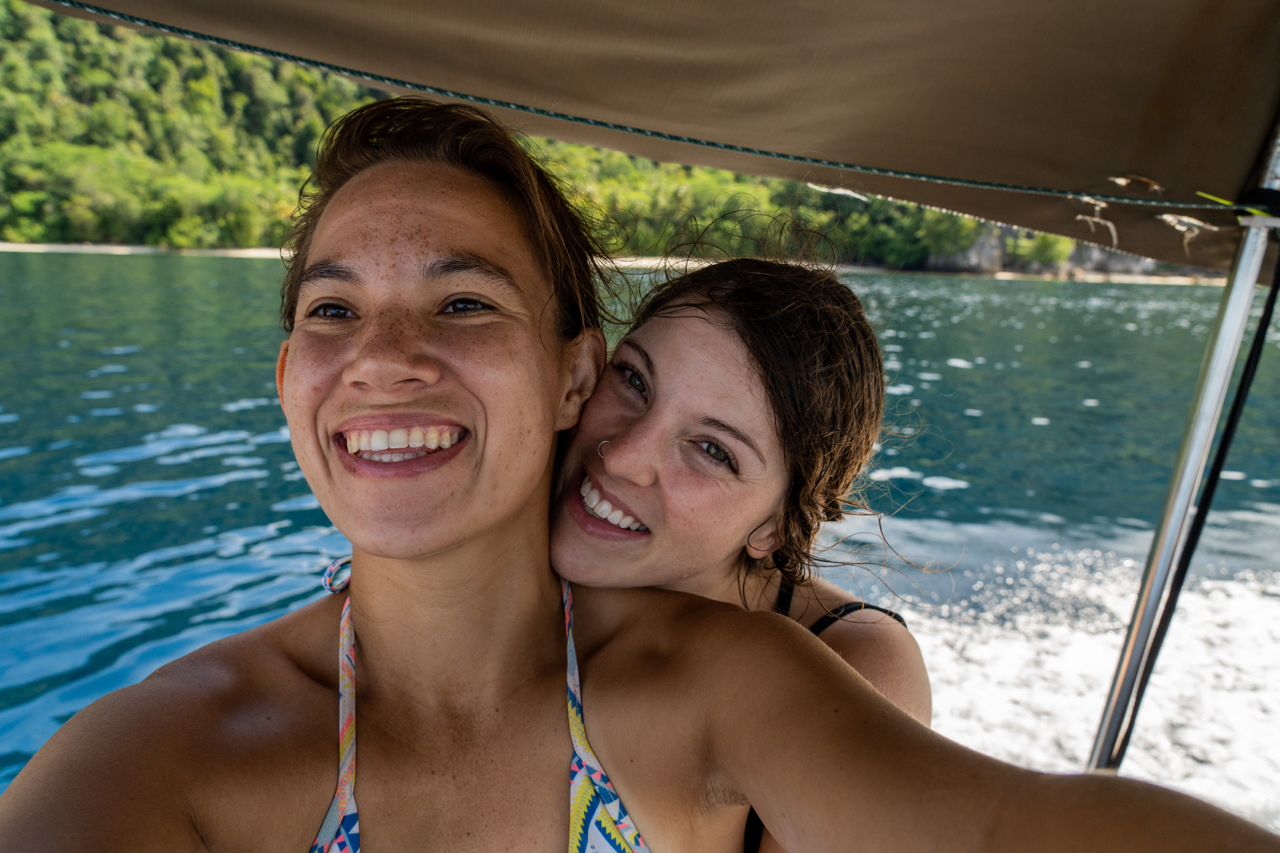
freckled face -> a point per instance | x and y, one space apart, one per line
423 305
692 458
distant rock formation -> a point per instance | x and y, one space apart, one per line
990 253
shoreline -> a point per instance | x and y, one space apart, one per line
114 249
644 263
1070 275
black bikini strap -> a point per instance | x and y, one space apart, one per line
785 590
829 619
754 833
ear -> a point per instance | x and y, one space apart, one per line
586 360
766 538
280 363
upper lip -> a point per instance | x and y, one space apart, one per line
606 496
396 421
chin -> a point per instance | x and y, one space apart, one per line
572 566
395 538
582 566
577 565
577 572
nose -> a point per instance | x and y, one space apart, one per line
394 354
634 452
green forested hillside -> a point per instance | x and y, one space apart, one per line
112 135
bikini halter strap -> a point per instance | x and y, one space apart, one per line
331 581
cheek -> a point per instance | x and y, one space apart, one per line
591 422
310 375
712 515
516 383
606 413
307 373
703 510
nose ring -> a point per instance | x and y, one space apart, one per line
600 448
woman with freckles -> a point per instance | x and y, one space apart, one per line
728 425
441 282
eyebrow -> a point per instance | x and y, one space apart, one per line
644 356
451 265
321 270
467 263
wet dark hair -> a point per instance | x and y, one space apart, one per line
412 129
820 365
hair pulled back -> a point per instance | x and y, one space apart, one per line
820 365
412 129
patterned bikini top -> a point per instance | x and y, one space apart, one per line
598 822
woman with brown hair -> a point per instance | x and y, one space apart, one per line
433 303
730 423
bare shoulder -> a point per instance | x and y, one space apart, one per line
684 641
695 681
696 635
644 612
875 644
161 764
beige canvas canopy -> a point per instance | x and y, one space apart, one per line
1061 99
1087 118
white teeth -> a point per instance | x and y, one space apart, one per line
365 441
604 510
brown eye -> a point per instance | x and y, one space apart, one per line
633 378
464 306
716 452
331 311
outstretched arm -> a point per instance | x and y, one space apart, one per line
873 777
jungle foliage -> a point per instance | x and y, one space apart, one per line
112 135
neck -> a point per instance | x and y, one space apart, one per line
471 624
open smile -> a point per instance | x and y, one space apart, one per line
399 445
604 510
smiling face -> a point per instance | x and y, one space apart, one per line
424 319
693 461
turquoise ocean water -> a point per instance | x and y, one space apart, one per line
149 502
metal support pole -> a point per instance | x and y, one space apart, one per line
1121 710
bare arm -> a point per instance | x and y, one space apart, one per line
884 653
92 784
874 777
195 757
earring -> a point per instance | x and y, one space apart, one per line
600 447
